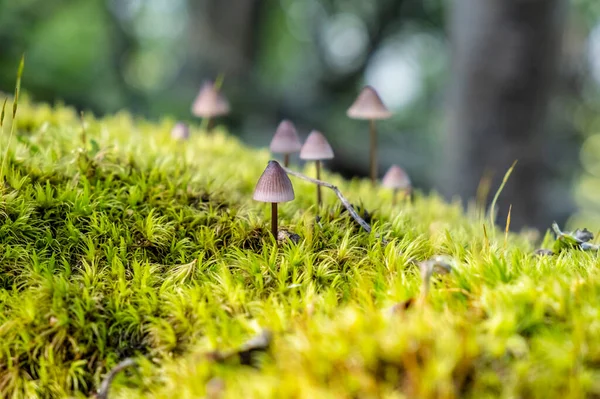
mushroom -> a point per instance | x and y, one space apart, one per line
210 103
396 179
368 105
180 131
285 141
274 186
440 264
316 148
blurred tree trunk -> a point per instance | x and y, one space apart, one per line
505 61
224 34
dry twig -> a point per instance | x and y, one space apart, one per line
105 386
339 194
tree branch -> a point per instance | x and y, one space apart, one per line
339 194
105 386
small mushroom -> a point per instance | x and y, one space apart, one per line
180 131
368 105
285 141
316 148
396 179
439 264
210 103
215 388
274 186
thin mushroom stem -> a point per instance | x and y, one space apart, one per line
210 124
373 156
426 272
395 197
319 198
424 291
339 194
274 219
286 160
206 124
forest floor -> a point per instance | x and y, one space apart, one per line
119 242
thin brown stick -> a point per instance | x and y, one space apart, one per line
105 386
286 160
274 219
319 198
373 157
339 194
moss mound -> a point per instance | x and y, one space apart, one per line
116 241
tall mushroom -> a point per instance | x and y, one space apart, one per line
180 131
316 148
274 186
285 141
368 105
396 179
210 103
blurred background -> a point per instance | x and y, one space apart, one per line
474 85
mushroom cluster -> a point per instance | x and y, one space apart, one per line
274 185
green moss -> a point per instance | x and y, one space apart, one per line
116 242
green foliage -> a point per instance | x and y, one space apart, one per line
116 241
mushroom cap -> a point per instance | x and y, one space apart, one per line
274 185
285 140
210 102
316 147
368 105
180 131
396 178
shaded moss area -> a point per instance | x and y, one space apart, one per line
116 241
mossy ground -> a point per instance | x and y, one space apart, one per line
119 242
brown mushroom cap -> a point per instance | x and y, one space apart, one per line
396 178
274 185
180 131
368 105
316 147
285 140
210 102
